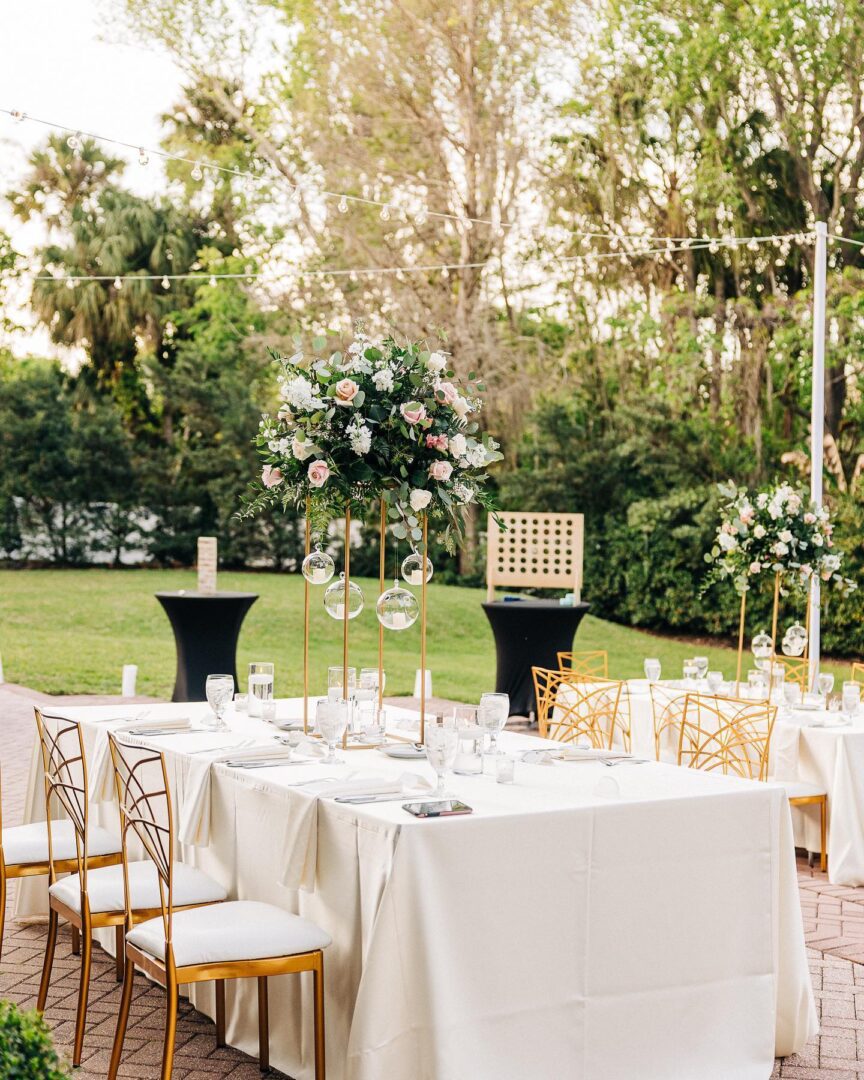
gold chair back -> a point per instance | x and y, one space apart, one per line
145 809
725 734
795 668
594 663
65 769
667 714
857 672
569 707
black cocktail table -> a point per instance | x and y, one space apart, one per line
206 629
529 633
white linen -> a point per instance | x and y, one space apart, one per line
100 770
660 932
105 888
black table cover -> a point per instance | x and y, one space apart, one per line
206 629
529 633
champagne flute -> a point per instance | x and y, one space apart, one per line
332 719
493 713
442 741
220 691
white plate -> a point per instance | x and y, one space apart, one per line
402 750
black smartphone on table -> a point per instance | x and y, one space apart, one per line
438 808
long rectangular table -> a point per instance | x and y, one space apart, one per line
562 930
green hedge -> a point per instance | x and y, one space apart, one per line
26 1049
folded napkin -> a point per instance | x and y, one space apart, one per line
101 771
589 753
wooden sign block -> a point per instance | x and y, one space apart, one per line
207 563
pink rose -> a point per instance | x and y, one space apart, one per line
806 569
318 473
755 567
346 390
440 470
413 412
271 476
448 392
437 442
747 516
809 519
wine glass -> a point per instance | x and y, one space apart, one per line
442 741
652 669
714 680
332 719
851 698
701 665
825 683
220 691
492 715
791 696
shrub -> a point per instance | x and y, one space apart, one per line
26 1049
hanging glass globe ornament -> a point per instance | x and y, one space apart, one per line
397 609
318 567
762 646
334 599
412 569
794 640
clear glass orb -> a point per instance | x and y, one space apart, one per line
762 646
397 609
334 599
318 567
794 640
412 569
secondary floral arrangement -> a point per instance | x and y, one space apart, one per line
381 420
777 531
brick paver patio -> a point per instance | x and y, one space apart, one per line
833 924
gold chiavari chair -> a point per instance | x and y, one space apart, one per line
857 672
571 706
667 712
92 898
234 939
594 663
733 735
24 853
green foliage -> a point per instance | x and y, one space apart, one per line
26 1049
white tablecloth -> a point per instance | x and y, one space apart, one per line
831 757
557 932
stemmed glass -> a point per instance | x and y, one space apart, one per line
442 741
825 683
652 669
220 691
689 670
332 719
492 714
714 680
701 665
851 699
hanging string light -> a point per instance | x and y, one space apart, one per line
74 141
143 156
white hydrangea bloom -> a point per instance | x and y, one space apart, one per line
383 380
360 437
299 393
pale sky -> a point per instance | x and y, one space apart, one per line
60 64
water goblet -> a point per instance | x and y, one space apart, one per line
332 719
825 683
701 664
714 680
493 713
652 669
851 698
791 695
442 741
756 683
219 690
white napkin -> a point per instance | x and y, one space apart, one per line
101 771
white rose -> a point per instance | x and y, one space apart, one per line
460 406
762 500
780 548
759 531
458 445
420 499
785 536
300 449
727 541
437 362
817 540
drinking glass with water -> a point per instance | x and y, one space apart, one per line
260 687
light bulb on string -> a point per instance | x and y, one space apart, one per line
70 283
342 205
385 213
74 141
197 172
143 156
421 217
212 281
166 284
118 283
18 116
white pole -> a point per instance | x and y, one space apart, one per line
817 418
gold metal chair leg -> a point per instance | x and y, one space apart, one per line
263 1026
119 951
170 1025
122 1019
318 976
823 807
50 943
76 941
2 902
83 994
220 1012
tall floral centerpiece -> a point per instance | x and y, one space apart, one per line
380 424
776 532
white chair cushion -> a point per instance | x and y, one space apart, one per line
236 930
800 789
105 888
29 843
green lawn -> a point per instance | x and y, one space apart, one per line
71 631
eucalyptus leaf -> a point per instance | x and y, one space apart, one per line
400 532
